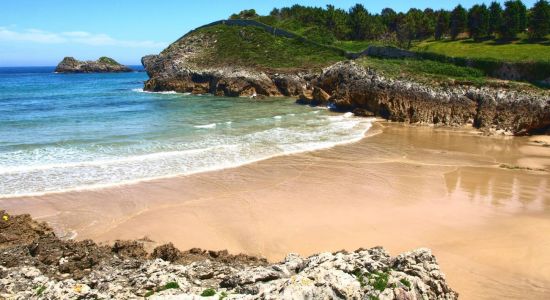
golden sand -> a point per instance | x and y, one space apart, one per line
401 188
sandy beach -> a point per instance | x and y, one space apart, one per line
480 203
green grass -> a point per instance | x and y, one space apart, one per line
405 282
169 285
426 71
40 290
517 51
360 277
251 46
108 60
208 293
379 281
354 46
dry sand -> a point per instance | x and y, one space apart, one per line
402 188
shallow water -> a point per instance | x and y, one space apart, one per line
71 131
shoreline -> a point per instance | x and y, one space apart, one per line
351 196
213 169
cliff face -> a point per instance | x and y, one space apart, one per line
102 65
347 86
179 68
34 263
353 87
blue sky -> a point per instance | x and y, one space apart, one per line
41 33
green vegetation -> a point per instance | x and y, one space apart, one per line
518 51
169 285
149 294
223 295
40 290
333 26
208 293
427 71
253 46
405 282
360 277
108 60
379 280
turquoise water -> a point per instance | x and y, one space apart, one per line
63 132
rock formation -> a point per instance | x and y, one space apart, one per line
354 87
102 65
347 86
34 263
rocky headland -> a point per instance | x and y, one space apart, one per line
102 65
348 86
36 264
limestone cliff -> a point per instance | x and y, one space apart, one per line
102 65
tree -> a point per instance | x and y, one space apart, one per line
358 22
539 22
389 19
514 19
478 22
336 21
495 17
425 24
245 14
442 24
410 27
459 19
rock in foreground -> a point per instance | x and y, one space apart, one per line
50 268
102 65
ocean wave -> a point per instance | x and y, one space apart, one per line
247 148
207 126
161 93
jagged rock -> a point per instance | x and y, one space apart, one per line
129 249
361 112
121 272
20 229
167 252
102 65
320 97
355 87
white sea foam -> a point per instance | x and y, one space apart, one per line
162 93
207 126
50 170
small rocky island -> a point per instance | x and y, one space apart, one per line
35 263
102 65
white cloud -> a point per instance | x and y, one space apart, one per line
30 35
72 37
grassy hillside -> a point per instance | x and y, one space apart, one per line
251 46
510 52
427 71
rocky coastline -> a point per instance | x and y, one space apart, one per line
350 87
102 65
36 264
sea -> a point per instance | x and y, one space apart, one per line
65 132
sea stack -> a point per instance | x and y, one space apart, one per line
102 65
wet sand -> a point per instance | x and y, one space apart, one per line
402 188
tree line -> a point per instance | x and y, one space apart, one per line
480 22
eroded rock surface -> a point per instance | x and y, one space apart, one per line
352 86
102 65
50 268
